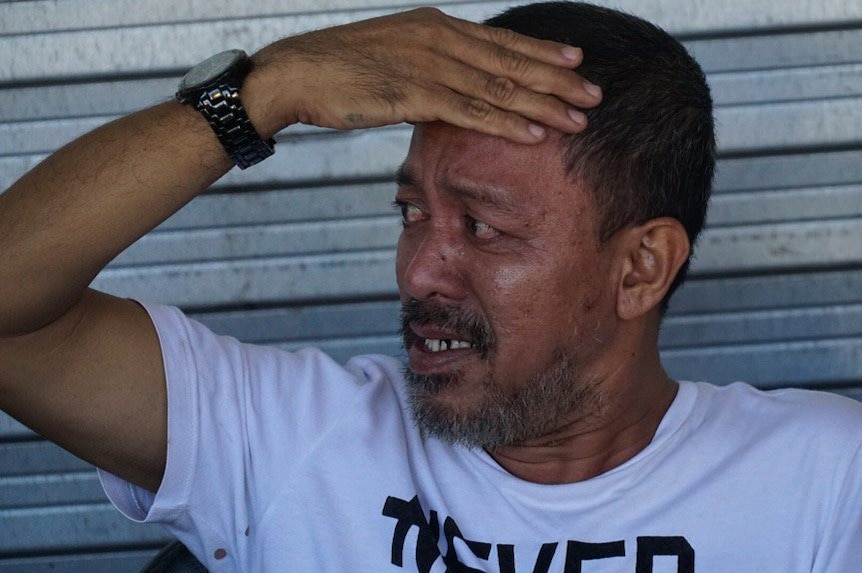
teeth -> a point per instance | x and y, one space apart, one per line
435 345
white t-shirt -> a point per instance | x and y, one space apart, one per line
291 462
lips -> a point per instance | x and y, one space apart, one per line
433 350
437 336
436 339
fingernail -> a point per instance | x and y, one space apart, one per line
537 131
593 89
572 53
577 116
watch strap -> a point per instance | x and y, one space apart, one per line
226 115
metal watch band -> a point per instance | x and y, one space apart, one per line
224 112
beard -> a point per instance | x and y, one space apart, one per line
501 418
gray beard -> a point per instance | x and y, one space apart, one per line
539 406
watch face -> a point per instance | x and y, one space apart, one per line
210 69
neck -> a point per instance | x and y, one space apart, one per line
620 424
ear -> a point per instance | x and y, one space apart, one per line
653 253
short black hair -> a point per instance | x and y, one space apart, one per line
649 149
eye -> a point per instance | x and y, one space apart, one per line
481 229
409 213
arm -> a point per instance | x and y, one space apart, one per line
84 368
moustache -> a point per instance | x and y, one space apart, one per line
464 322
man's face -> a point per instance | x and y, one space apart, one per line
506 296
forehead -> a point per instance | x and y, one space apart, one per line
454 161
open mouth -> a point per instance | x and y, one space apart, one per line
440 345
440 340
433 350
434 339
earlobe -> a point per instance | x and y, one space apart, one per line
652 254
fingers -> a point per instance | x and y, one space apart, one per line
505 94
540 65
479 115
542 50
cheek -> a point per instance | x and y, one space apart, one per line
547 298
403 256
523 297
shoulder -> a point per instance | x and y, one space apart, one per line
809 404
821 419
267 379
181 334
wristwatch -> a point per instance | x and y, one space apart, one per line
212 87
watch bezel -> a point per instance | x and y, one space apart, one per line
211 70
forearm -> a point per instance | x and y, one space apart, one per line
64 221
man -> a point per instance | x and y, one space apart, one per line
536 429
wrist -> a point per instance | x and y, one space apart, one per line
214 88
270 97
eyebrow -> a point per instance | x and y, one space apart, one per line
404 177
489 196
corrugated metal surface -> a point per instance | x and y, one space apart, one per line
299 250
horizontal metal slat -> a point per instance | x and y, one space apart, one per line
810 363
693 16
733 294
306 322
262 241
72 527
793 84
83 100
25 458
338 156
788 171
46 135
112 562
771 51
12 429
343 350
782 325
343 276
43 137
772 206
160 48
764 248
854 392
282 206
789 125
51 489
23 17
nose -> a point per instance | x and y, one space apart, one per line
429 265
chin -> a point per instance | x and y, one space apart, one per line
482 415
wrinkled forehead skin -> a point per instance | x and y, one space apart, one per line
531 179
